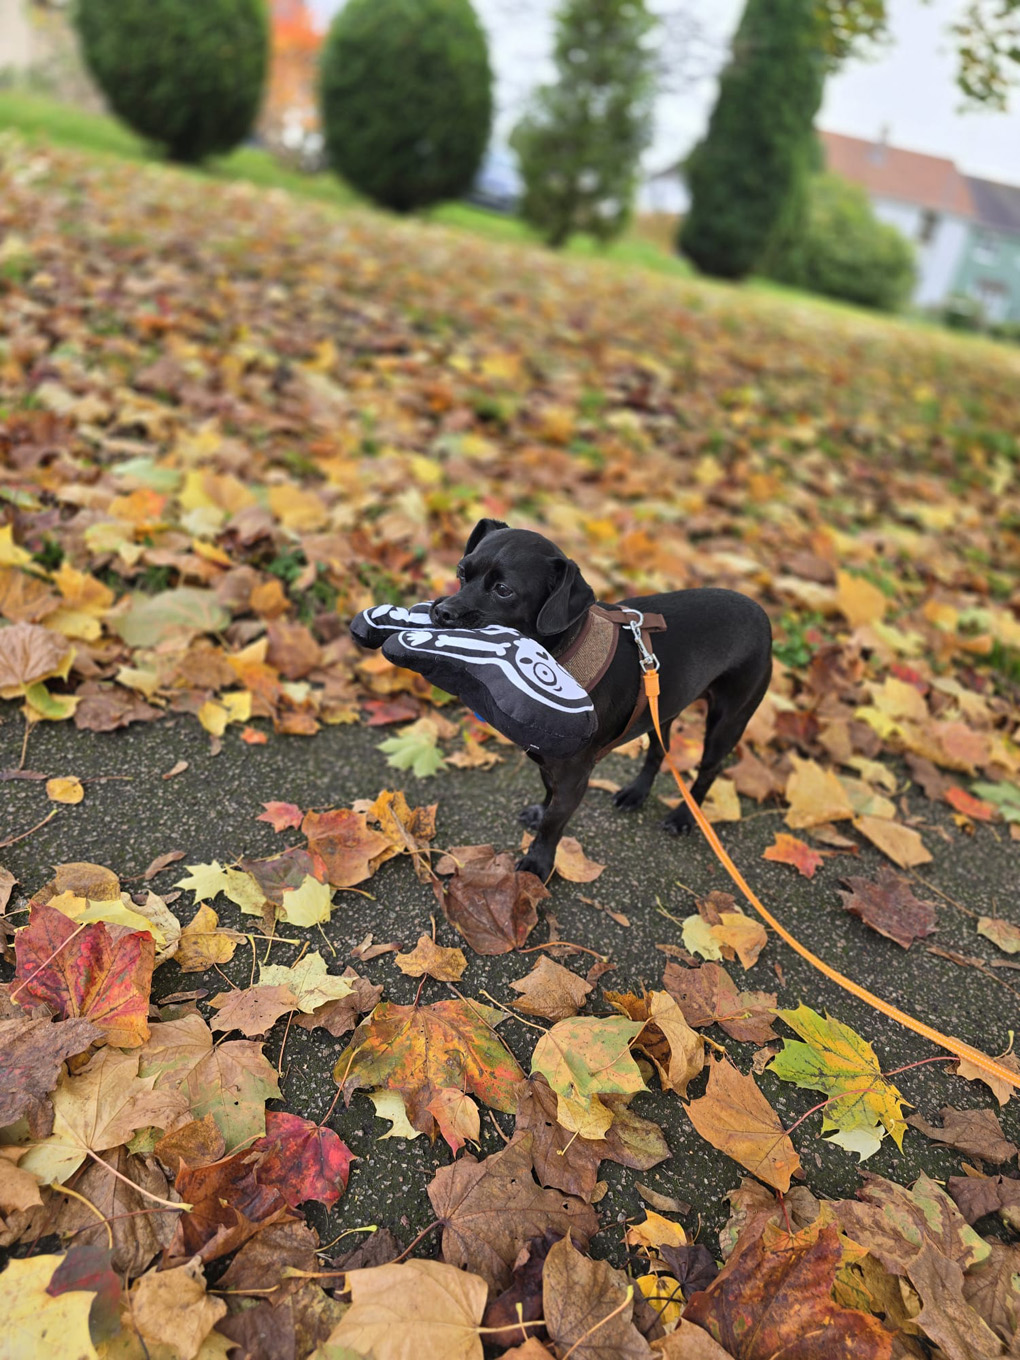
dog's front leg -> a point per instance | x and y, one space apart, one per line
567 782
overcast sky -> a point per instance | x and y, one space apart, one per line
907 87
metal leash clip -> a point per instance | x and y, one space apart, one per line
647 660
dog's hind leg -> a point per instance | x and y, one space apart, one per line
634 795
724 726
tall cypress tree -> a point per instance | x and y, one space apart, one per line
748 176
580 143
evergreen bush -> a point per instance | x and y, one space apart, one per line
406 94
186 74
844 251
747 177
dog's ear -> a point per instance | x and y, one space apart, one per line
482 529
569 599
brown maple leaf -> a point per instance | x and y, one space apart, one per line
489 1209
709 996
492 905
775 1290
31 1052
888 905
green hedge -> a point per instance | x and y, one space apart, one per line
406 93
843 251
186 74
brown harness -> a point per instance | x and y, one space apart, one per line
591 653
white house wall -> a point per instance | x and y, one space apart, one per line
939 258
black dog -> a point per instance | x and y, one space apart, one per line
717 645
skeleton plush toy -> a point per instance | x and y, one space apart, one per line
509 680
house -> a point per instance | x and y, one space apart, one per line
925 197
989 270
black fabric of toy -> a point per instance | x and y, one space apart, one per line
509 680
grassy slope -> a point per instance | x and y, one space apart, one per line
44 119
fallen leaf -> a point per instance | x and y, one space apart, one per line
583 1058
427 957
308 979
586 1307
814 795
171 1308
423 1050
280 816
492 905
835 1060
101 973
977 1133
489 1209
775 1291
33 1317
419 1310
346 843
888 905
708 995
67 790
302 1160
895 1224
551 991
1003 934
139 1229
31 1053
31 654
203 944
945 1317
251 1010
735 1117
902 844
573 864
789 850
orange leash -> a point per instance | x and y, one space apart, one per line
955 1046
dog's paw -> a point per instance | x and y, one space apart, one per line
630 799
679 822
531 816
531 864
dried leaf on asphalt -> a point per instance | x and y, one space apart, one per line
583 1058
251 1010
775 1291
490 1208
202 943
101 973
419 1310
708 995
977 1133
492 905
550 991
427 957
946 1318
302 1160
789 850
348 846
171 1308
735 1117
140 1229
887 904
421 1051
1003 934
895 1223
586 1309
31 1052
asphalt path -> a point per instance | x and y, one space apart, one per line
209 812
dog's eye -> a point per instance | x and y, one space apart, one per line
460 573
502 590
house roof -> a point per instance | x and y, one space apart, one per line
996 205
891 172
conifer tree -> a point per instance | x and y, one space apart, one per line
748 176
580 144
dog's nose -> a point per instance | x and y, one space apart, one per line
442 614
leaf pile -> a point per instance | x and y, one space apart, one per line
227 422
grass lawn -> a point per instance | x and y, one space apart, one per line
41 118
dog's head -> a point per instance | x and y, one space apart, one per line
518 579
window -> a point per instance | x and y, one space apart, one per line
984 248
928 227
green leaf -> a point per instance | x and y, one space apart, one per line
151 618
837 1061
583 1058
1006 797
414 749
